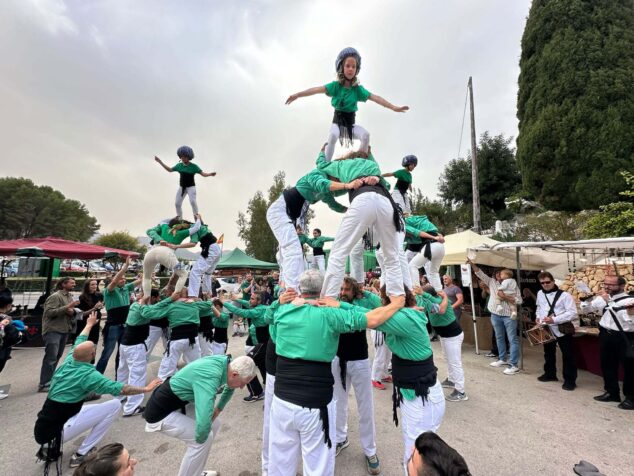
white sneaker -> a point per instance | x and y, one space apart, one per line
3 395
511 370
498 363
210 473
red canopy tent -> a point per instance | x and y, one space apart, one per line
52 247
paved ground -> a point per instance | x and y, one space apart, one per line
511 425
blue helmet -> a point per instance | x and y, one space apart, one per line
409 160
346 53
185 151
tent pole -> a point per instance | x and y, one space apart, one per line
473 315
49 276
519 314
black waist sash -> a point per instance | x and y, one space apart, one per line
452 329
345 121
381 190
415 247
118 315
162 402
402 186
262 334
52 418
307 384
352 346
186 180
318 251
220 335
163 323
426 242
206 328
294 203
417 375
270 358
133 335
186 331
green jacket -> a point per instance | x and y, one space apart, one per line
351 169
315 187
55 318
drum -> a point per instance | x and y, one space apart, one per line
540 335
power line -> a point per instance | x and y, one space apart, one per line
464 114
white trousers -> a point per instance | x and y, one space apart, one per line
96 418
357 377
401 200
366 211
294 429
156 333
133 371
290 250
432 267
418 417
358 133
382 356
407 281
191 193
164 256
182 427
206 347
218 348
269 387
319 262
202 270
179 347
452 349
356 262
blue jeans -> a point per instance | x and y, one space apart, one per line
502 324
112 335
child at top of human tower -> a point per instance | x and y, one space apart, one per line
346 92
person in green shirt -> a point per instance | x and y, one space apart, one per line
187 171
167 237
317 244
346 92
197 383
64 416
419 230
205 265
133 363
417 390
116 299
306 342
371 207
289 211
403 182
220 322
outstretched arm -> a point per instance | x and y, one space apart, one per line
208 174
388 174
120 274
166 167
379 100
307 92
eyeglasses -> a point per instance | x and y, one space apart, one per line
545 282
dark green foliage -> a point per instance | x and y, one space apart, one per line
121 240
576 102
31 211
498 179
615 219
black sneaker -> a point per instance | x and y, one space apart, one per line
341 446
78 459
626 404
44 388
569 386
137 411
254 398
547 378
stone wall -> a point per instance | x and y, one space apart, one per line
593 276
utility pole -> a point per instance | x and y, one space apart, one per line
474 166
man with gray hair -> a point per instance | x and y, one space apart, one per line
303 405
197 382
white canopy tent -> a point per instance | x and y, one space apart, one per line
457 244
558 257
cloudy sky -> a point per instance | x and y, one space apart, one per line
92 90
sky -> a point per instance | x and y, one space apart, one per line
91 91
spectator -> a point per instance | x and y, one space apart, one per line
89 300
431 456
454 293
57 323
11 333
109 460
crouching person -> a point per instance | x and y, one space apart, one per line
198 382
64 416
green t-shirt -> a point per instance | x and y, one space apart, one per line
312 333
319 242
190 168
199 382
256 314
162 232
222 321
315 187
245 284
180 313
118 297
346 99
406 336
414 224
368 301
74 380
403 175
436 319
351 169
142 314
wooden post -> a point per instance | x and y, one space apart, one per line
474 166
